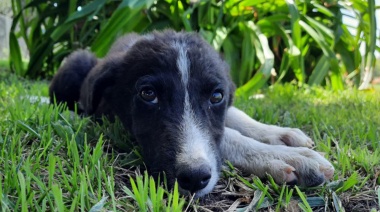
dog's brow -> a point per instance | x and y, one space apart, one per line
182 62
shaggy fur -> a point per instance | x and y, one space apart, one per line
173 93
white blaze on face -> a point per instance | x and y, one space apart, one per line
193 141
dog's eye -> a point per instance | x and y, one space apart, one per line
149 95
216 97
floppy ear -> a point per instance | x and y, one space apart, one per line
100 80
66 84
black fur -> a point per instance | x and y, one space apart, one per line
113 84
67 82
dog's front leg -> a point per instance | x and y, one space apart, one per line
270 134
293 165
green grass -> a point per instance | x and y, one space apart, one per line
52 159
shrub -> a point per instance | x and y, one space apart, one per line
263 41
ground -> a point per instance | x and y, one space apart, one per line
52 158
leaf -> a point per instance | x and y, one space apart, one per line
27 128
304 205
38 55
315 201
371 46
336 76
220 35
229 53
252 205
127 15
350 182
64 131
298 62
322 9
70 21
337 203
15 55
99 205
58 199
320 71
21 181
86 10
266 57
319 39
318 26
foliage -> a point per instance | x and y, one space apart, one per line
53 159
51 30
149 197
263 41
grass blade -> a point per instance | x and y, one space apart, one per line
58 199
21 180
304 205
98 207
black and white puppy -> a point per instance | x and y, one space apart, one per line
173 93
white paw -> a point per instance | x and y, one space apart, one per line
298 166
287 136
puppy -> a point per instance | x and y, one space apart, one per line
173 93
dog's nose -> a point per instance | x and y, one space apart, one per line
194 179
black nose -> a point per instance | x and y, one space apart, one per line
194 179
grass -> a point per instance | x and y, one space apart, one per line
51 159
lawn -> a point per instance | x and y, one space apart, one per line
52 159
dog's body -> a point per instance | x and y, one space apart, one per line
173 93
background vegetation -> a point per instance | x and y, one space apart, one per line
263 41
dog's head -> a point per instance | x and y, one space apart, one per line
171 91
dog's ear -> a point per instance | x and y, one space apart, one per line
66 84
102 78
97 84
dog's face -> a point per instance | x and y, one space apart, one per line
171 91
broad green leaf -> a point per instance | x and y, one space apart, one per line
232 58
318 26
250 50
322 9
318 38
320 71
266 58
15 55
88 9
336 76
350 182
298 62
128 13
220 35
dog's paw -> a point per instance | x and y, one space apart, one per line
287 136
298 166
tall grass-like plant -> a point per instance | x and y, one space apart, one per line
150 197
366 34
264 42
